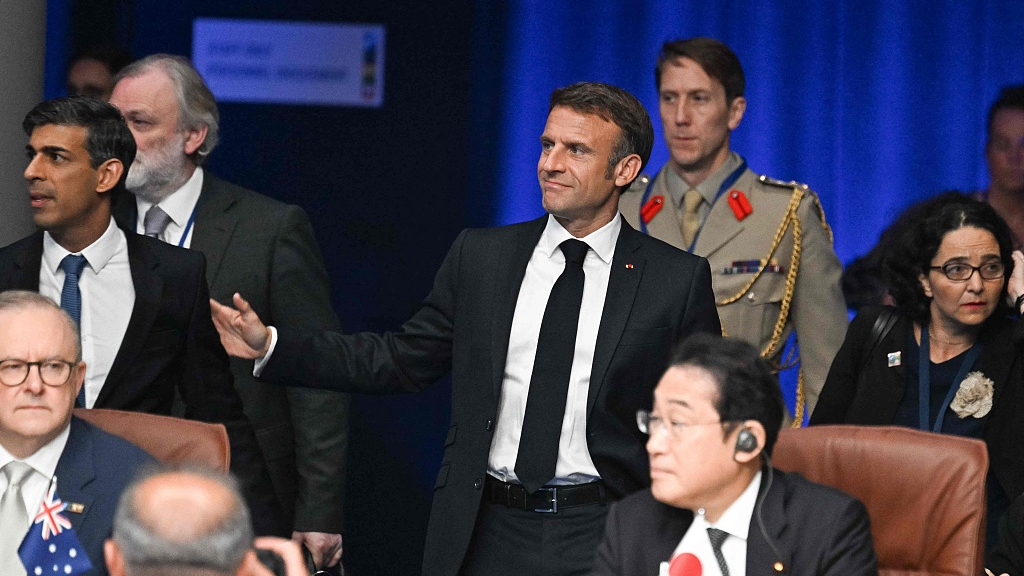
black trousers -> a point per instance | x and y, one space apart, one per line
512 542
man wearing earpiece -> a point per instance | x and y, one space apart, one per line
716 506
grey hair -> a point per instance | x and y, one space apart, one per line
216 551
196 104
12 300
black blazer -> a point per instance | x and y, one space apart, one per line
266 251
463 327
170 344
817 530
93 470
861 388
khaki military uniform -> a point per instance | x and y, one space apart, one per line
764 288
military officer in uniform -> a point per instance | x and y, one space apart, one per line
772 262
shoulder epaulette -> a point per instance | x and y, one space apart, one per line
640 184
791 184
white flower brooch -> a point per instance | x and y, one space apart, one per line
974 398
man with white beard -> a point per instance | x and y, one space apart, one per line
254 245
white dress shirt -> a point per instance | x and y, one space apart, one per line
180 206
574 464
108 296
736 522
44 464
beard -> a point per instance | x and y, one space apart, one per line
158 173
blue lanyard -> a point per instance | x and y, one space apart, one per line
191 220
924 382
188 226
726 184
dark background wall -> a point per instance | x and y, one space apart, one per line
384 188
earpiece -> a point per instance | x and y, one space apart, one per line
746 441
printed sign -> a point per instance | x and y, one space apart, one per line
280 62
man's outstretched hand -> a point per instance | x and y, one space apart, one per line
242 332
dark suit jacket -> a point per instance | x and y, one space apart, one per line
862 389
1007 555
817 530
266 251
93 470
463 327
170 344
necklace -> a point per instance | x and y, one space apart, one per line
949 342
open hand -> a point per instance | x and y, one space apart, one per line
242 332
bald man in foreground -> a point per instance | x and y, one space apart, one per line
189 523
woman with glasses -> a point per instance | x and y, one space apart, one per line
946 358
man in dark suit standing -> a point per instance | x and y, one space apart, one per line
41 444
142 305
254 245
716 506
554 331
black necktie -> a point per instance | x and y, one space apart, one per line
717 537
549 383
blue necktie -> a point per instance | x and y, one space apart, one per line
71 297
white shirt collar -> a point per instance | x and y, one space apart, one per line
601 241
43 461
180 204
96 254
736 518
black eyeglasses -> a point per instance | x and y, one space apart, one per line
959 272
52 372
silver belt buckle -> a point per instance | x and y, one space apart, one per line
554 502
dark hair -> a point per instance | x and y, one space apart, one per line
864 281
110 55
615 105
911 254
717 60
107 134
748 389
1010 98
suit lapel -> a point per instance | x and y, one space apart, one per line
888 387
149 287
26 265
760 556
665 537
623 280
515 256
75 471
214 224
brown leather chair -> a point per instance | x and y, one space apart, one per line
925 493
169 440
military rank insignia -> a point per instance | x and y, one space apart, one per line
651 208
740 205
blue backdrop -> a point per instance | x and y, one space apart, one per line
873 103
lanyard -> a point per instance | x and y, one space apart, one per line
191 220
726 184
188 226
923 382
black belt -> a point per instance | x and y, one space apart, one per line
547 499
